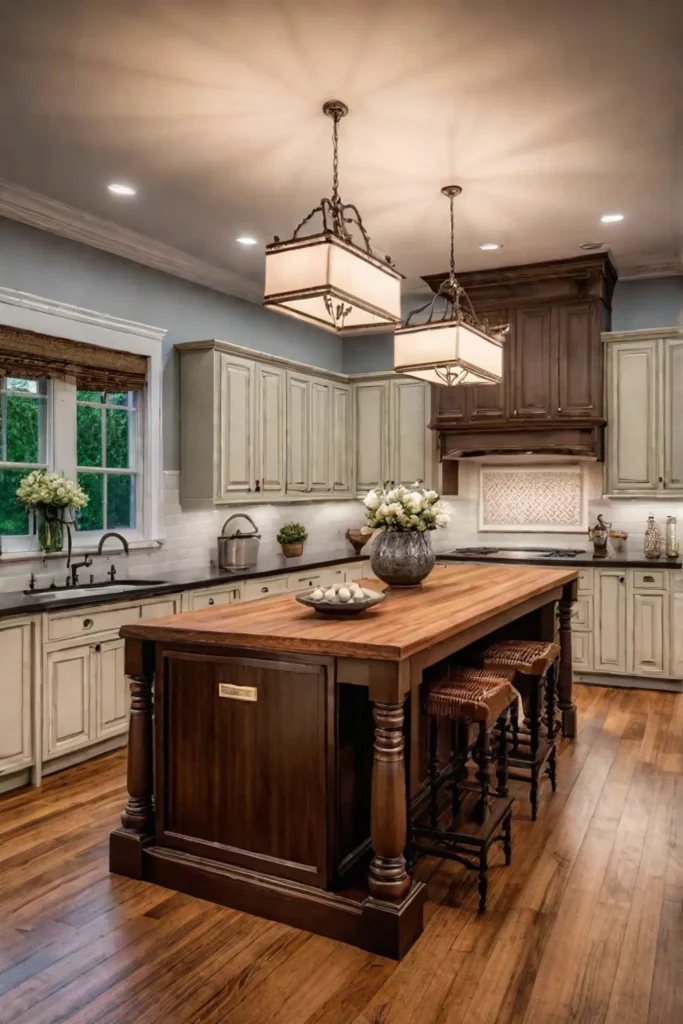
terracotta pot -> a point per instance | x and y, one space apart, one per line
293 550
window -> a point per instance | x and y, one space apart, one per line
107 463
23 445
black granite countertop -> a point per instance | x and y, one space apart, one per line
19 603
625 560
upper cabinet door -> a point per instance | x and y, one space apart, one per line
410 440
632 417
341 438
236 426
298 433
579 362
673 414
270 462
371 435
489 402
320 447
531 395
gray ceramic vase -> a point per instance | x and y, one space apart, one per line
402 558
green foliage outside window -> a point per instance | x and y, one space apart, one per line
22 407
105 428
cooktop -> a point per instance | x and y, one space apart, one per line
520 552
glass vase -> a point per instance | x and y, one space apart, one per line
653 539
402 558
50 530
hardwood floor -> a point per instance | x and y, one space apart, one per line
587 924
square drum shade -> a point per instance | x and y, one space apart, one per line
301 273
420 350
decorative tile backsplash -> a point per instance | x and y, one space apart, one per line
546 499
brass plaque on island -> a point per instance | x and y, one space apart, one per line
237 692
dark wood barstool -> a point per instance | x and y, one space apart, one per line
531 665
474 701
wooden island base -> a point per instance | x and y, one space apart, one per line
270 750
384 928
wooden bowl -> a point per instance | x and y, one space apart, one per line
357 539
339 611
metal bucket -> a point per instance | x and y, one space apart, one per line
238 550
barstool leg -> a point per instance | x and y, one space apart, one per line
534 728
507 840
550 700
433 770
482 754
502 758
483 885
514 723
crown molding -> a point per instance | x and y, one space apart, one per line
657 266
12 297
39 211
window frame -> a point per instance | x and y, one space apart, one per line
23 310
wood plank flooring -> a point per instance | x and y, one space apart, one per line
587 924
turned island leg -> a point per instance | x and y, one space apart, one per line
388 878
126 844
564 681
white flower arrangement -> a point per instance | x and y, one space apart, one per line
42 488
404 508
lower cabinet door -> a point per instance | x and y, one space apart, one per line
16 653
66 701
676 666
582 651
650 634
112 688
610 622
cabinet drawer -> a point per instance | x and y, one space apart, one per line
214 598
582 651
88 621
160 609
586 580
582 613
316 578
255 590
357 571
649 579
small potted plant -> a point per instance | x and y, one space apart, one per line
291 539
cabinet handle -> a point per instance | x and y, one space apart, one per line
264 590
88 623
648 579
211 601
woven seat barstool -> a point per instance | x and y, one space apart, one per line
531 666
473 701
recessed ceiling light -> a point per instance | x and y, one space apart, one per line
117 188
490 245
611 218
591 246
247 240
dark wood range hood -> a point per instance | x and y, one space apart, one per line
551 400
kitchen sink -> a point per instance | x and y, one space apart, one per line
92 589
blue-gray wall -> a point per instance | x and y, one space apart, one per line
57 268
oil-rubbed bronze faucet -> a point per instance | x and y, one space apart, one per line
106 536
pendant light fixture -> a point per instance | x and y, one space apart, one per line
327 278
452 345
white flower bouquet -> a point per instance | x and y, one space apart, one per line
41 488
404 508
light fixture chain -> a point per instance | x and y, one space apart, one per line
335 162
452 198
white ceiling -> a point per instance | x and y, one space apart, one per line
547 113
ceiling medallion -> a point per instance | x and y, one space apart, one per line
452 345
327 278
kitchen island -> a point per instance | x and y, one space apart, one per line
270 748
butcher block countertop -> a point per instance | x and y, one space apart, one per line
451 600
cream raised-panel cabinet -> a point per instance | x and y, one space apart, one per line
342 434
17 657
235 427
676 663
610 653
320 434
410 440
645 413
633 421
111 688
298 435
371 433
68 674
270 430
648 634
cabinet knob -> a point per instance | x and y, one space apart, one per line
88 623
258 485
211 601
514 412
97 648
622 579
264 590
661 479
559 408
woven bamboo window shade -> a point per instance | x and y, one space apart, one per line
33 356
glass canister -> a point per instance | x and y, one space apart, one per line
671 540
653 539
